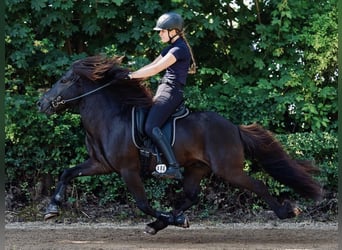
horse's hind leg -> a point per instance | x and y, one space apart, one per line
84 169
242 180
192 189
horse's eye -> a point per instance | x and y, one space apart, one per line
64 80
75 78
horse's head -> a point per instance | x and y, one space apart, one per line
57 98
101 72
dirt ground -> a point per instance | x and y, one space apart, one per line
44 235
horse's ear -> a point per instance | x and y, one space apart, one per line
117 60
115 71
120 58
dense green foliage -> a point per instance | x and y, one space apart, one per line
279 55
271 62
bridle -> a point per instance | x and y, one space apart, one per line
59 101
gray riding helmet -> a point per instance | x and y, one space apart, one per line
169 21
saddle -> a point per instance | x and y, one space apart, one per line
141 140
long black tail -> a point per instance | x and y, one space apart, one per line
263 149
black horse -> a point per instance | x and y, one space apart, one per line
205 143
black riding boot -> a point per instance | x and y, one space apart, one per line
172 170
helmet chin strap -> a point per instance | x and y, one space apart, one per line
171 37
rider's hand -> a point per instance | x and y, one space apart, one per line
125 75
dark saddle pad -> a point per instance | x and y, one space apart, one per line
141 140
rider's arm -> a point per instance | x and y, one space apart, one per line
158 65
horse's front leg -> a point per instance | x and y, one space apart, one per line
84 169
136 188
192 189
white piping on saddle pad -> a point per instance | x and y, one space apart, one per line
173 134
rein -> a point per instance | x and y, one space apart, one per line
58 101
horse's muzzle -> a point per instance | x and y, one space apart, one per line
45 106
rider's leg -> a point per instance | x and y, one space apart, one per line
172 170
167 99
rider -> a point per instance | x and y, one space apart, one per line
175 59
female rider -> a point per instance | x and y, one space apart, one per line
175 59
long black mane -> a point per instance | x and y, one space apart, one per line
101 70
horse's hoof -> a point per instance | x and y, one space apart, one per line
51 211
150 230
182 220
186 223
50 215
297 211
288 210
293 210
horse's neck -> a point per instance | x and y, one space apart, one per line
98 111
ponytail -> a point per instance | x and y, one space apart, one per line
193 66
